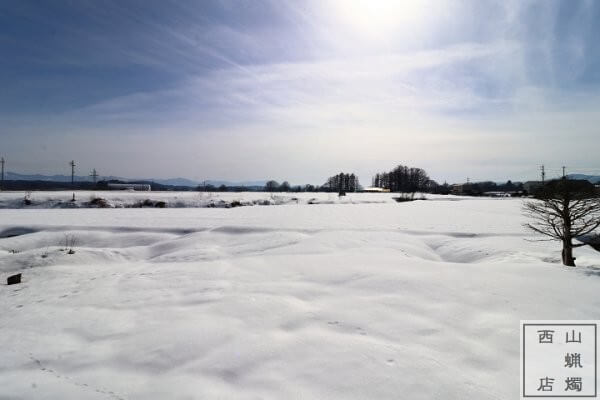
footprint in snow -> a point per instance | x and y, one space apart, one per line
68 378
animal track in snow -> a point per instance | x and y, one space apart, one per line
72 381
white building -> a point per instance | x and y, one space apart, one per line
141 187
375 190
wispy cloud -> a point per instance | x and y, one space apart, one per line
302 87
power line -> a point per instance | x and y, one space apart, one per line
557 172
572 170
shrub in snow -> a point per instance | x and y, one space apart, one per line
405 197
70 241
99 202
27 199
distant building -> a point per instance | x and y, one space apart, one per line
375 190
497 194
141 187
457 189
532 186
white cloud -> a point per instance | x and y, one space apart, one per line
476 103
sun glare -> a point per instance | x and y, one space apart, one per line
377 17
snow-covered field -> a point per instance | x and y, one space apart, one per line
357 299
127 199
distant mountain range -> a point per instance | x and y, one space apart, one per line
592 178
12 176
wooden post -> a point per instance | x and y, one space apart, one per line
13 279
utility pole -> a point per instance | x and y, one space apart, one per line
543 174
564 171
94 175
2 162
72 164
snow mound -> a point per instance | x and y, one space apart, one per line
418 300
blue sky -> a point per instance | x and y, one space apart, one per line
300 90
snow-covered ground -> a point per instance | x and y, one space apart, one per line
130 199
359 300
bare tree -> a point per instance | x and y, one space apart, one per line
285 187
271 186
565 210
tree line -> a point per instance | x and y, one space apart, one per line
404 179
342 183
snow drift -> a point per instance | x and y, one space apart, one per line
417 300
